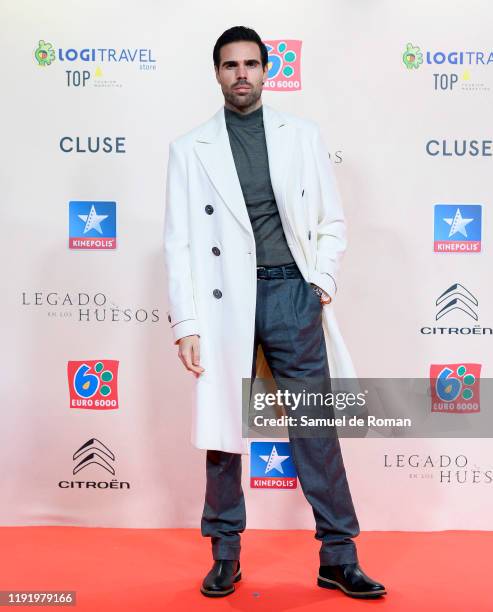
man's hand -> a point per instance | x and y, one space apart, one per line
189 353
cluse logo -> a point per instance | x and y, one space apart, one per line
92 144
457 302
271 466
459 148
93 384
93 454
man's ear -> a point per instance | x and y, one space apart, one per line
216 71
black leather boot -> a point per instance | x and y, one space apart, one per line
220 580
351 579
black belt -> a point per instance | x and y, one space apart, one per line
286 271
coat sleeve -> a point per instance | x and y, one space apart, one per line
331 228
182 313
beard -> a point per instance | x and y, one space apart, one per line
244 100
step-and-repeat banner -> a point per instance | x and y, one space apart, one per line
95 413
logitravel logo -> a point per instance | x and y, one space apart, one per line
413 58
455 387
93 384
457 228
44 53
457 302
92 225
450 469
96 456
284 65
84 66
271 466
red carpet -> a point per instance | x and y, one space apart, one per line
161 569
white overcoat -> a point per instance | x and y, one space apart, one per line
213 294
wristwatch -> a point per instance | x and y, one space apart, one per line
320 292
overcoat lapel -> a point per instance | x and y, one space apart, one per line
214 150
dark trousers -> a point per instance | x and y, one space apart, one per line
288 325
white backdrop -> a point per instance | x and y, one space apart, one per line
376 116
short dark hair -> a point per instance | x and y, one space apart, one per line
235 34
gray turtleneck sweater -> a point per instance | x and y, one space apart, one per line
247 140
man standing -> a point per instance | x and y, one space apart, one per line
254 232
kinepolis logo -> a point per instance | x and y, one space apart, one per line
412 59
92 144
92 225
87 62
271 466
94 453
457 301
448 469
457 228
86 307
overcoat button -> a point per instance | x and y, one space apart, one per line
217 293
169 318
209 209
216 251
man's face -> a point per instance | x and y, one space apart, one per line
240 74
